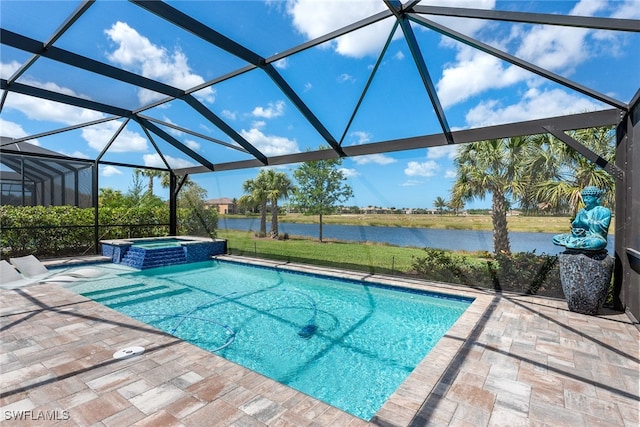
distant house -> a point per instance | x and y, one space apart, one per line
224 205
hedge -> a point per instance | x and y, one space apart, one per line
54 231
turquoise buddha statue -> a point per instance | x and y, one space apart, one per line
590 227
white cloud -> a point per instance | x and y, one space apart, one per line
466 26
314 18
273 110
99 136
361 136
77 154
136 52
399 55
172 131
349 173
448 151
426 169
555 48
14 130
535 104
379 159
259 124
450 174
270 145
194 145
344 78
154 160
229 115
473 73
308 86
626 10
411 183
282 64
8 69
45 110
109 170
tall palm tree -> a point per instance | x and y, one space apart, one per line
493 166
279 187
568 172
257 190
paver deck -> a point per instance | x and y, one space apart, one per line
509 361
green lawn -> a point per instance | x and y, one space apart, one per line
533 224
373 258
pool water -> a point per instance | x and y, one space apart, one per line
347 343
160 243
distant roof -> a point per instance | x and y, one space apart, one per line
221 201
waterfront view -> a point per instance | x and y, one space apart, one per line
455 240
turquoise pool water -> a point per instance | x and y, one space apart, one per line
347 343
158 243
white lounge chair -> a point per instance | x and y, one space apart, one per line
11 278
8 273
31 267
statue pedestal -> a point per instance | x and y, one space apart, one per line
585 280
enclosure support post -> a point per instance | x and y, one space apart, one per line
173 204
96 209
627 226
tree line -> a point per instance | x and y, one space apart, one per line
535 172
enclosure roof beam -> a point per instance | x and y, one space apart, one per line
592 22
122 126
195 27
374 70
418 59
30 173
533 127
516 61
60 130
611 168
213 37
64 99
194 133
223 126
173 141
21 42
302 107
56 35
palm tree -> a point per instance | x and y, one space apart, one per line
566 172
279 187
440 204
150 174
494 166
257 190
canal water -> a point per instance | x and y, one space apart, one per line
456 240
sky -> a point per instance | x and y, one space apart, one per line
475 89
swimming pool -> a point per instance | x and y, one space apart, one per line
345 342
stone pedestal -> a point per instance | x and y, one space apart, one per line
585 280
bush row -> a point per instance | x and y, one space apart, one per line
52 231
523 272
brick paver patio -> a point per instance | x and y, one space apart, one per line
509 361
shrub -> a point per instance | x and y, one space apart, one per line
524 272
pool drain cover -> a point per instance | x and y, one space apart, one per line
128 352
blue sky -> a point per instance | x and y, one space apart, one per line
475 89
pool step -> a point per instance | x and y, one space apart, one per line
149 258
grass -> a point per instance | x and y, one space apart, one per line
370 257
532 224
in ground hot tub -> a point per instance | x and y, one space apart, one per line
150 252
